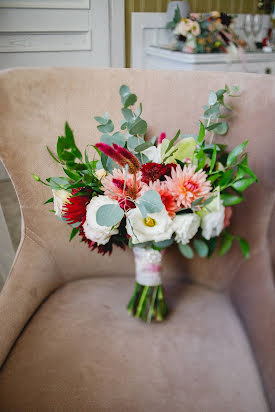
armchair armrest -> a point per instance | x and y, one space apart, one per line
33 277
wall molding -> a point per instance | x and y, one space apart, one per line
45 4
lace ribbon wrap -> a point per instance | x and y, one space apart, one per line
148 266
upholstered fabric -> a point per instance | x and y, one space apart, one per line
34 105
81 352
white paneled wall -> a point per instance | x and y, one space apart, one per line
61 33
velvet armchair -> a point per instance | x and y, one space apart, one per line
66 341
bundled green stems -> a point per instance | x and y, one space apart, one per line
148 303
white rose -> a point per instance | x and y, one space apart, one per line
156 226
185 227
60 197
100 173
153 154
93 231
212 218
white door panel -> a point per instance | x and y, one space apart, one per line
61 33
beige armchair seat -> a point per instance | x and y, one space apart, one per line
66 341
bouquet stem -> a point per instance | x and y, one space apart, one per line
147 303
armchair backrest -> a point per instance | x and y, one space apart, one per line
35 103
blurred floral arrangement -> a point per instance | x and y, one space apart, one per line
205 33
149 194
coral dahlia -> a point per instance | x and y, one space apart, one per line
167 198
116 188
187 185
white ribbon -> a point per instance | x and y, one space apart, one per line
148 266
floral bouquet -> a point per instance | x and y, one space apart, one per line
205 33
149 194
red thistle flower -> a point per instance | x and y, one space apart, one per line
102 249
155 171
120 155
74 211
162 136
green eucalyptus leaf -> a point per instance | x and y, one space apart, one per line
220 92
106 128
150 202
186 251
134 141
117 138
200 247
212 98
232 157
164 243
101 120
128 115
109 215
139 110
58 183
123 125
130 100
139 127
222 128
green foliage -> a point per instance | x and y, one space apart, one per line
139 127
127 98
109 215
213 159
201 133
244 245
186 251
163 244
143 146
229 199
150 202
117 138
171 25
226 243
200 247
232 157
74 232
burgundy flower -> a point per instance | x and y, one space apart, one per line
155 171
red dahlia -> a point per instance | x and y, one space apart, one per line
74 211
155 171
103 249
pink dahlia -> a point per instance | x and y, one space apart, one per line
187 185
115 187
167 198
